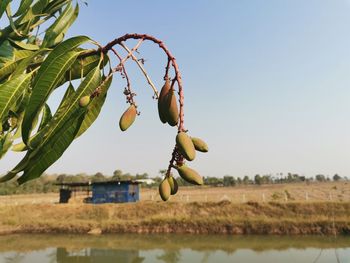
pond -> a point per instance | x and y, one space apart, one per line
132 248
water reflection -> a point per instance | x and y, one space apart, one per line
172 249
94 255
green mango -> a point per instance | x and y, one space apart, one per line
128 118
162 101
164 190
185 146
199 145
171 110
84 101
173 185
190 175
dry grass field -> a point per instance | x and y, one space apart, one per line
322 208
297 192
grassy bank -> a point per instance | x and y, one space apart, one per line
200 218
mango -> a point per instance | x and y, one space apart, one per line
162 101
84 101
171 110
185 146
199 145
128 118
164 190
173 185
190 175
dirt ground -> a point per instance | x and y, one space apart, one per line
298 192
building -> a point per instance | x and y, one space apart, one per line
115 192
102 192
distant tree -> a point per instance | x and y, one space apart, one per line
336 177
60 178
142 176
320 178
257 179
98 177
229 180
246 180
117 175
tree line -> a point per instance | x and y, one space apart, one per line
49 183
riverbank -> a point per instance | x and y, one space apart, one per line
299 218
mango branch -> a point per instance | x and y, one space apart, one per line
171 58
134 58
128 91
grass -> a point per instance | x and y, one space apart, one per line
266 209
194 217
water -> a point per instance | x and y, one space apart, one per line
172 249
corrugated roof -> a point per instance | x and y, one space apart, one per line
80 184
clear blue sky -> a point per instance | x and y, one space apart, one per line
267 85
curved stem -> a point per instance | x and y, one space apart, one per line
178 78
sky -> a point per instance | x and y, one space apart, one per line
266 84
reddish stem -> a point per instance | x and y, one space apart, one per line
130 95
171 58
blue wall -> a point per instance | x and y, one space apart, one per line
115 193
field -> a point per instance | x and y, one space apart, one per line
271 209
297 192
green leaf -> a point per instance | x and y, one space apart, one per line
6 52
25 46
7 69
5 144
19 167
70 105
53 149
11 91
12 24
54 34
65 100
55 5
25 4
85 65
3 6
48 76
46 117
23 64
33 13
20 54
95 106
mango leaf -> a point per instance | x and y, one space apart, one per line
7 69
53 149
12 24
35 140
11 91
48 76
54 34
18 168
81 67
33 13
6 52
20 54
3 5
46 117
24 46
5 144
55 5
65 100
70 105
24 5
14 65
23 64
95 107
